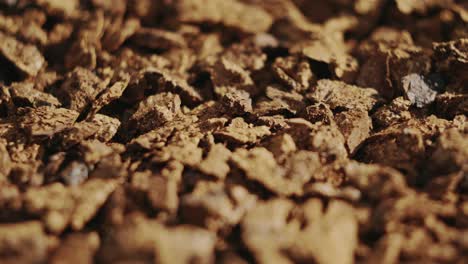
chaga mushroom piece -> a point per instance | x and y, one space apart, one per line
266 232
23 243
5 160
355 125
79 89
375 181
387 58
334 229
60 8
237 102
143 240
100 127
397 111
259 165
24 94
449 105
295 72
61 206
118 32
216 162
341 96
170 82
215 206
46 120
451 152
408 6
26 58
403 150
230 13
227 75
239 132
154 111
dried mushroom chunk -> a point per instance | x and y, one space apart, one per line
215 206
334 230
266 231
24 94
216 162
233 131
119 32
294 72
99 127
79 89
78 248
355 125
46 120
339 95
61 206
259 165
26 58
23 242
170 82
154 111
146 240
231 13
240 132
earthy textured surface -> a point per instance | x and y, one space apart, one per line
233 131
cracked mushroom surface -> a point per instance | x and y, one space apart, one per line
233 131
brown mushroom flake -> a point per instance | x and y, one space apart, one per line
231 13
26 58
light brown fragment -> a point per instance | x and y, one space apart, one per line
46 120
58 7
79 89
259 165
100 127
281 146
144 240
339 95
228 75
76 248
267 233
23 243
24 93
230 13
114 92
216 162
215 206
376 182
295 72
88 199
5 161
26 58
355 125
335 230
171 82
154 111
240 132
